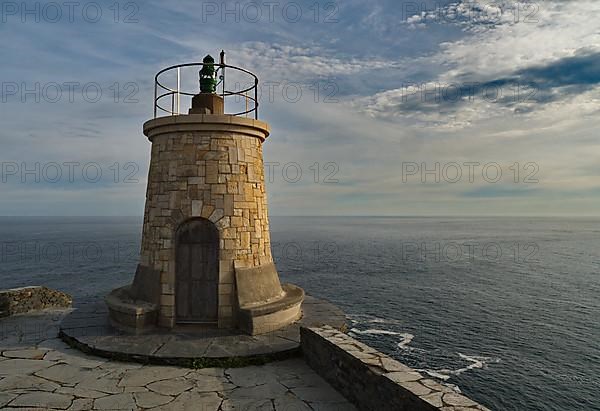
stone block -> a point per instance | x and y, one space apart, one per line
212 172
225 311
226 271
167 288
233 158
207 210
232 187
245 240
167 310
167 300
216 215
219 189
228 205
230 245
225 288
229 233
167 277
195 180
218 200
241 154
223 223
197 208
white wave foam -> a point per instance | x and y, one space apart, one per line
403 344
376 320
454 387
477 362
406 339
373 332
365 318
435 374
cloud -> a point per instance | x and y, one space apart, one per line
560 30
303 62
370 131
509 68
583 69
522 93
472 15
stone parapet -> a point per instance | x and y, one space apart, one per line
372 380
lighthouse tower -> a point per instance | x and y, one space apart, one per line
206 252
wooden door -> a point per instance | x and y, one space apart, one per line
197 272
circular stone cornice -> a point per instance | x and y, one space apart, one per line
206 122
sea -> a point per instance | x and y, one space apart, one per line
505 310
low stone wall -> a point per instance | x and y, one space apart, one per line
22 300
372 380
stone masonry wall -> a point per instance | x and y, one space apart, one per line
214 175
372 380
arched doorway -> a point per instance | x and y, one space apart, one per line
197 272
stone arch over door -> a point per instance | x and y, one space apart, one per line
197 272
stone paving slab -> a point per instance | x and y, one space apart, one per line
88 329
64 378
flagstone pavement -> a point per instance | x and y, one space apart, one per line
39 372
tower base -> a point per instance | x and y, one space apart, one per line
264 305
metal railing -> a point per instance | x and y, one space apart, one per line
163 93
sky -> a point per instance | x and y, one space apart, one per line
453 108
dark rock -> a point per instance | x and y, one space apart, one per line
26 299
